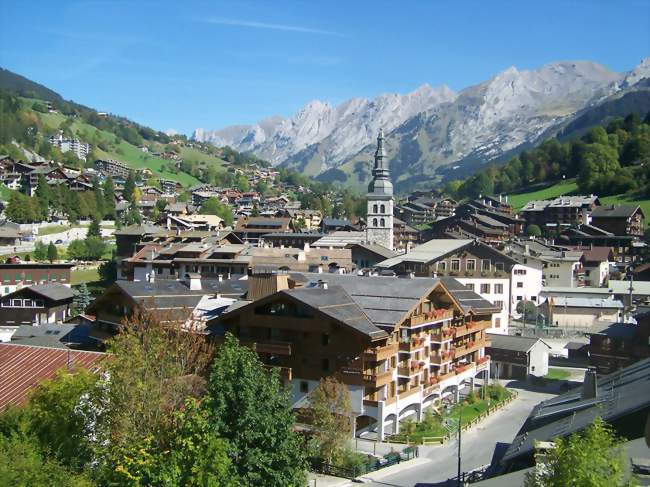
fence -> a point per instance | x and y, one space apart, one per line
372 465
439 440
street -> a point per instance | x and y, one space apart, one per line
479 445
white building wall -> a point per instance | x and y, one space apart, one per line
583 317
560 273
538 360
526 285
500 321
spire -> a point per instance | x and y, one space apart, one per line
380 183
379 153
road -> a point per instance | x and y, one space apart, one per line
479 445
65 237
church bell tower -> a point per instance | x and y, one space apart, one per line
379 228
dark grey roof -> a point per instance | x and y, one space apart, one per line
53 336
336 222
614 211
177 294
514 343
141 230
618 395
467 299
376 249
618 330
338 304
55 292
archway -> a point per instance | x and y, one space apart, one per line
391 422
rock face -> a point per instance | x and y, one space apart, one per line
431 130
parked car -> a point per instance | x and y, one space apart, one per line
58 242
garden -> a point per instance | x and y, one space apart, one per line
468 411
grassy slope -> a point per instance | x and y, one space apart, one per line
570 187
559 189
130 155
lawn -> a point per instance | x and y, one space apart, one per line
84 275
559 189
557 374
468 411
51 229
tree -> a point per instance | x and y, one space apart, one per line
241 183
56 421
213 206
108 270
591 459
527 309
250 408
94 230
109 198
331 414
82 298
40 251
52 252
76 250
533 230
95 248
129 187
44 196
255 211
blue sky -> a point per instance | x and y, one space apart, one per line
193 64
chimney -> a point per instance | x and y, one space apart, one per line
151 277
193 281
262 285
526 249
220 277
590 384
322 284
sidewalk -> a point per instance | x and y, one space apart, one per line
320 480
392 470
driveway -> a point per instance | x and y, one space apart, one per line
479 445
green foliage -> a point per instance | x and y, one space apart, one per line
82 299
76 250
52 252
497 392
128 192
250 408
94 230
591 459
22 208
213 206
22 464
331 417
95 248
528 309
56 421
40 251
533 230
108 270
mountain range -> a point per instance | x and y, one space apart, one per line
434 134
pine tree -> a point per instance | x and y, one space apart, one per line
52 252
99 199
129 187
44 196
109 198
94 230
82 298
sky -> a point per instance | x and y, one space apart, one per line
187 64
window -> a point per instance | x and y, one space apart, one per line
6 278
498 289
533 298
53 278
497 322
455 264
326 364
374 209
520 284
304 386
520 298
374 222
469 286
442 265
470 264
28 277
325 339
383 208
383 223
7 290
499 266
485 289
498 304
324 257
485 265
16 302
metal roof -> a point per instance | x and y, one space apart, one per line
514 343
571 302
428 251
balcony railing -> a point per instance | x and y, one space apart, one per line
381 353
441 377
409 392
267 346
378 379
285 372
431 316
414 343
443 336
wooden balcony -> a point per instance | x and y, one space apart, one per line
471 327
378 379
267 346
415 343
285 372
381 353
409 392
443 336
430 317
446 376
441 358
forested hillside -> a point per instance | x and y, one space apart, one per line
609 160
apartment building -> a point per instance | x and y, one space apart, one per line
65 144
619 219
398 344
562 211
19 275
113 168
484 270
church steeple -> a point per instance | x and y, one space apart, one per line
380 183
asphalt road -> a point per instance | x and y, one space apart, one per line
479 445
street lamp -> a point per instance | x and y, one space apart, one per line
459 433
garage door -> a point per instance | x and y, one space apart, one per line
518 372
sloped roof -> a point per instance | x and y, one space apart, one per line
514 343
468 300
614 211
24 367
55 292
428 251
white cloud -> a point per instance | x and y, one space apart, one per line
265 25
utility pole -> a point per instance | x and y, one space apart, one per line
460 422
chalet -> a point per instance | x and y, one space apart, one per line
399 345
251 229
16 275
562 211
619 219
516 357
38 304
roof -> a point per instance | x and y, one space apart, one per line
468 300
623 287
375 249
340 238
597 254
571 302
618 330
24 367
615 211
428 251
618 395
64 335
141 230
514 343
54 292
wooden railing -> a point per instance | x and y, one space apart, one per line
378 379
285 372
409 392
381 353
431 316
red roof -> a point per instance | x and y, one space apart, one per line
23 367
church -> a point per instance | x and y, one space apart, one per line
379 228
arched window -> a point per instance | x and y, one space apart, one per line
383 223
374 222
374 209
383 208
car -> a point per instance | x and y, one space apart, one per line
58 242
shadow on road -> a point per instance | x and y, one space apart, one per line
547 386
